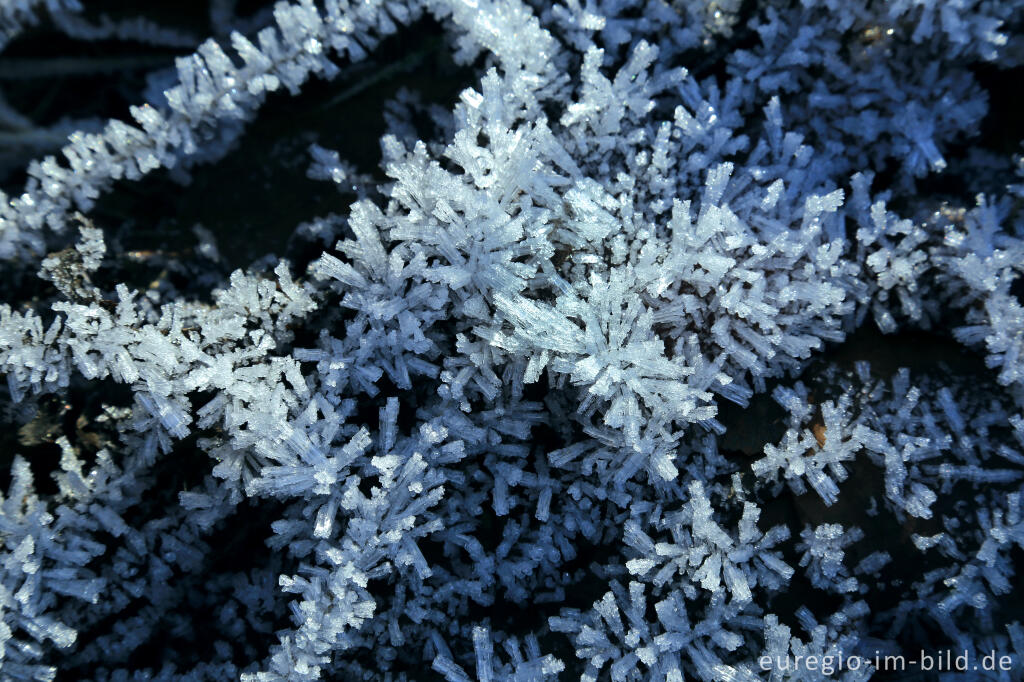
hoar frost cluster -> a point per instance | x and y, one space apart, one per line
487 431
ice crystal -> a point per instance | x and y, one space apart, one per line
500 411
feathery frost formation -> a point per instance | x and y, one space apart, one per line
489 430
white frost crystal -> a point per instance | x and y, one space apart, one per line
502 415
